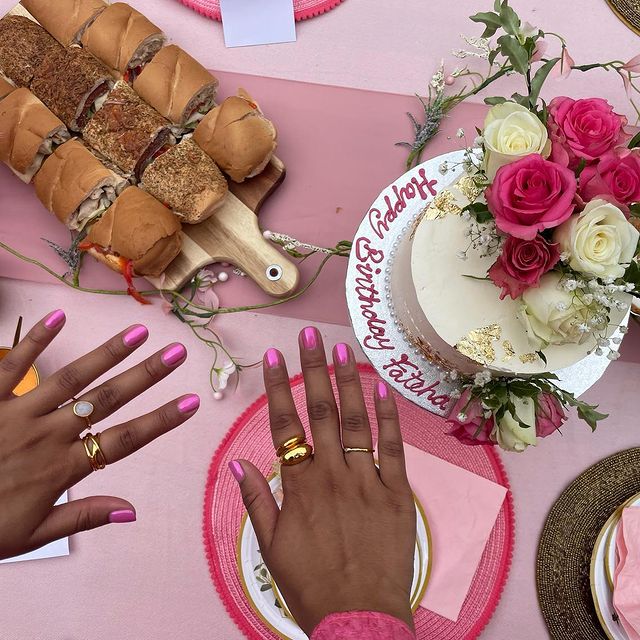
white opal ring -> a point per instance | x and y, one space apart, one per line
83 409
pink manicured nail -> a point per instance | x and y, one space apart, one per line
236 470
272 358
174 354
310 338
189 404
135 336
342 353
54 319
382 390
124 515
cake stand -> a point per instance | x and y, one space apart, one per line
401 359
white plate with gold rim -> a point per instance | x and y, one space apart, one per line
602 567
263 595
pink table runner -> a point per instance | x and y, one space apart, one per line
338 146
250 439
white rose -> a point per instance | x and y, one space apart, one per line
600 240
509 434
512 132
551 315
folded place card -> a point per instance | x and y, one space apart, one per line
626 592
461 509
52 550
251 22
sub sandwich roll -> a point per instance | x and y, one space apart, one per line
177 86
30 133
136 236
75 186
123 39
6 86
238 137
23 46
128 131
73 84
188 181
65 20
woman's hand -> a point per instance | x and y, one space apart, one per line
345 537
41 453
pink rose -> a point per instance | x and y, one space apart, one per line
531 195
617 174
583 130
522 263
473 428
549 415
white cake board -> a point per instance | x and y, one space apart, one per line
396 359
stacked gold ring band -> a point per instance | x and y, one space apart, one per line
94 452
294 451
357 450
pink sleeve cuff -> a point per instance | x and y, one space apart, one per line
362 625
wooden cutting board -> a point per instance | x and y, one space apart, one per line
232 234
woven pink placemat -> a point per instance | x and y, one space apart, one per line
249 438
303 9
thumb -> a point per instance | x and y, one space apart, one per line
82 515
258 499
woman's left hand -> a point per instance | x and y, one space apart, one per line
41 452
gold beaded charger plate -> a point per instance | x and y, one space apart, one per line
262 591
570 535
628 11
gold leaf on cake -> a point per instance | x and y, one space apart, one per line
528 358
509 351
469 189
478 344
443 204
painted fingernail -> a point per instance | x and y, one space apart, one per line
382 390
189 404
342 353
272 357
54 319
136 335
123 515
174 354
310 338
236 470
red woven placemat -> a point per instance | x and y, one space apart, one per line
303 9
249 438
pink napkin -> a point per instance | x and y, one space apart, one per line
626 591
461 508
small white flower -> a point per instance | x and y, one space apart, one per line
478 141
462 417
460 133
623 330
616 340
561 306
455 394
599 351
220 375
570 285
613 355
461 255
453 374
482 378
443 168
611 288
608 280
583 327
621 306
629 286
602 342
594 285
466 216
565 256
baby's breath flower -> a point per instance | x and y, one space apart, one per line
460 133
623 330
478 141
461 255
613 355
443 168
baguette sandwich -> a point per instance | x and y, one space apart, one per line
123 39
23 46
128 131
65 20
237 136
187 180
136 236
6 86
73 84
30 133
75 186
177 86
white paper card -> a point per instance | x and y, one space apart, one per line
251 22
53 550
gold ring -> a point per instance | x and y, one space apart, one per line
296 455
94 452
291 443
358 450
83 409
